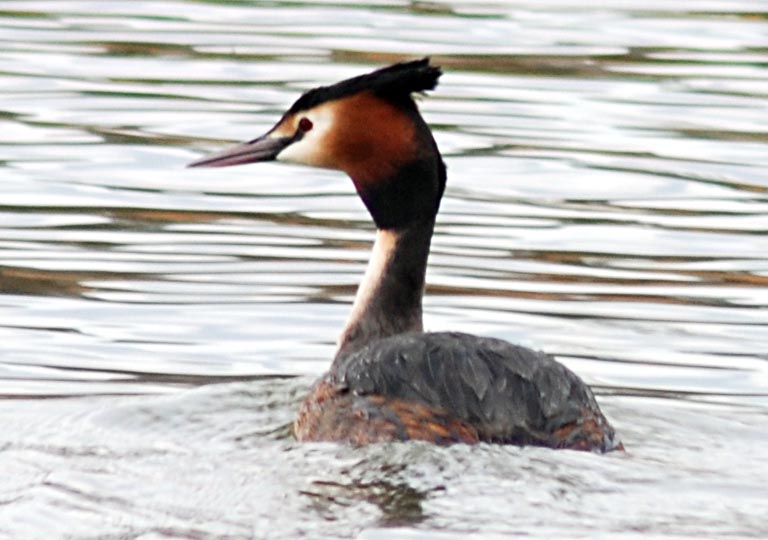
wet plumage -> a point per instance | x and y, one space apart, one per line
505 393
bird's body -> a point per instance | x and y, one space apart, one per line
390 380
452 387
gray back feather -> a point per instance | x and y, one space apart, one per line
506 391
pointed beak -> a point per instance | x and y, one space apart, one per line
264 148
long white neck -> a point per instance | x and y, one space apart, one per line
388 300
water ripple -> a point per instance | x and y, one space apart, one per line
607 202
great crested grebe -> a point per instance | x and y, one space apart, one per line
391 381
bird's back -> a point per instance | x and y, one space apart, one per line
447 387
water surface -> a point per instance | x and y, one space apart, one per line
607 202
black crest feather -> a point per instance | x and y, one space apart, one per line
394 83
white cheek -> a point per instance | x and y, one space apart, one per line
311 149
305 152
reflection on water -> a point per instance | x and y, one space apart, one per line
606 203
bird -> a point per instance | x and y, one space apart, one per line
390 380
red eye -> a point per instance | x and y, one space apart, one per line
305 124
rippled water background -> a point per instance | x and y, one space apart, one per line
607 202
